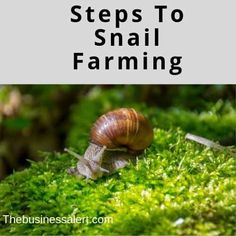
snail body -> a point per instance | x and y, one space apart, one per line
115 138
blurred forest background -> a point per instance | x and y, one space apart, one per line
39 118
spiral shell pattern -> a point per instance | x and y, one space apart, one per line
122 127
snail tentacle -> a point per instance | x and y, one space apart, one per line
73 153
104 170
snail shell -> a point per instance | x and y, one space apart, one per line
123 127
115 138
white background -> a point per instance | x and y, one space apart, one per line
37 42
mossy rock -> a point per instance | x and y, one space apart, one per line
176 187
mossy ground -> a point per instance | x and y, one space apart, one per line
176 187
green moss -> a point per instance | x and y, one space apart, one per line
218 122
174 179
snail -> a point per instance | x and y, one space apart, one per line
115 138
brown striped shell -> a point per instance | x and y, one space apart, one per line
123 127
